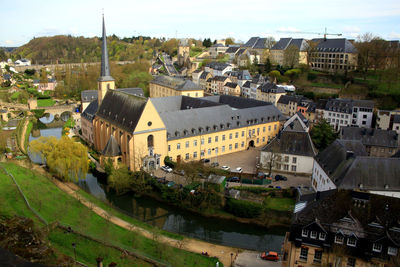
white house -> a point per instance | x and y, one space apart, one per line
292 151
217 68
23 62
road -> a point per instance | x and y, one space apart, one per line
252 259
169 65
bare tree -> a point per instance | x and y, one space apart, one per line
364 48
291 56
310 49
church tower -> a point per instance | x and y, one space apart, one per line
105 80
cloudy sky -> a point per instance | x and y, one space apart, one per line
23 20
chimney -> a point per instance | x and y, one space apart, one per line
99 261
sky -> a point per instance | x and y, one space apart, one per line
215 19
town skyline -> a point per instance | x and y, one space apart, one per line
174 19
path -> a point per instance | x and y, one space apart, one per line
223 253
22 141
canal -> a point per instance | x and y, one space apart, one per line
172 219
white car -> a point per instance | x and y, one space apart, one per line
166 168
225 168
239 169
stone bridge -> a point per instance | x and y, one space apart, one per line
58 110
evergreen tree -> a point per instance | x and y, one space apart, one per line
322 134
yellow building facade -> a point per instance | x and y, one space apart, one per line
162 86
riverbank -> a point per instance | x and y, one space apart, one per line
75 210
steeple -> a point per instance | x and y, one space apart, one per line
105 66
105 81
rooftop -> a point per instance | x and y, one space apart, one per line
178 84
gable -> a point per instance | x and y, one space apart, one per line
150 119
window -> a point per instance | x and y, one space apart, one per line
318 256
242 133
304 233
236 134
392 251
322 236
194 142
202 153
230 136
209 152
236 145
264 129
223 148
351 262
303 254
194 155
339 239
275 127
294 160
376 247
286 167
269 128
202 141
187 144
209 140
313 234
178 146
187 156
230 147
263 139
216 139
223 137
242 145
286 158
169 147
351 242
294 168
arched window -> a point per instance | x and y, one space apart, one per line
150 141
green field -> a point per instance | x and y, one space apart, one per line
54 205
45 102
282 204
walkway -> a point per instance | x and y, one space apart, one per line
22 140
223 253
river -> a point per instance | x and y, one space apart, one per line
172 219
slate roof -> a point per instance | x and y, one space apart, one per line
271 88
175 83
292 140
122 109
204 75
90 111
372 218
217 65
285 99
373 174
112 148
231 85
246 84
132 91
341 45
232 49
105 66
284 43
251 42
335 159
185 116
241 51
340 105
89 95
219 78
371 136
256 43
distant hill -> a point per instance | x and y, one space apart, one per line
8 49
69 49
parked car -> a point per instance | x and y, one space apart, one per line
233 179
239 169
205 160
214 164
279 177
270 256
166 168
226 168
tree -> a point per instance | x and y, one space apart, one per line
274 75
229 41
120 179
364 47
311 47
269 42
65 158
291 56
322 134
207 42
267 66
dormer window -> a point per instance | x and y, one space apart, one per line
304 233
313 234
322 236
376 247
351 241
339 239
392 251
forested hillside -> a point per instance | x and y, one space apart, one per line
68 49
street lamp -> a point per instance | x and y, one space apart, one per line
74 246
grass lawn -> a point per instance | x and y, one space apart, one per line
45 102
15 95
282 204
55 205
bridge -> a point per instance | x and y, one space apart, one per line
61 109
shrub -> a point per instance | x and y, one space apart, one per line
168 161
242 208
311 76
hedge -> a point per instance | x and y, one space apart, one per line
243 208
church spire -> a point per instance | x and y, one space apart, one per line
105 66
